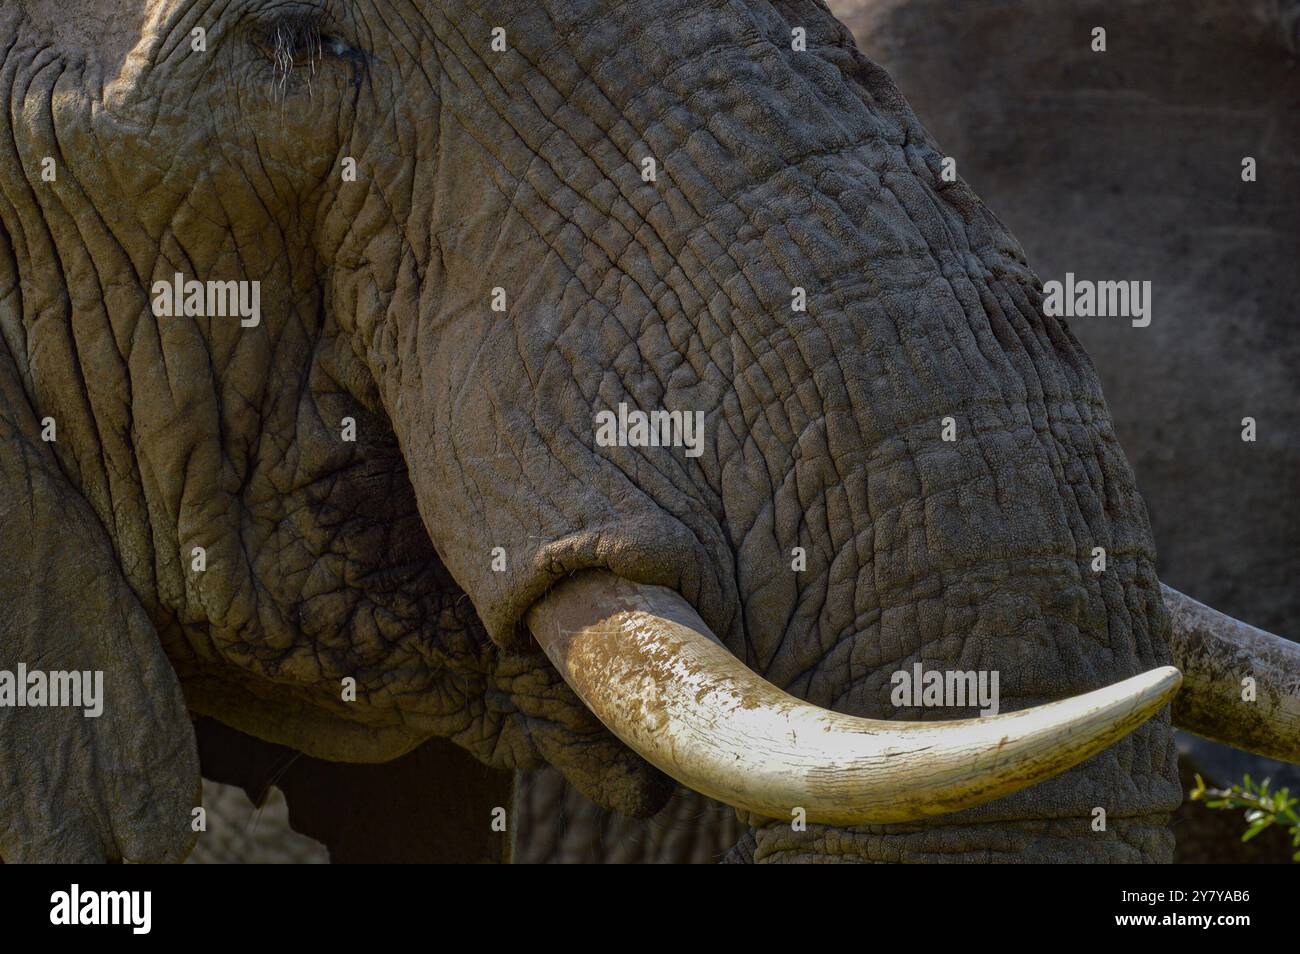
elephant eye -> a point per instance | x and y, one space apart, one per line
299 40
335 45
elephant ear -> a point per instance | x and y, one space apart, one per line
73 788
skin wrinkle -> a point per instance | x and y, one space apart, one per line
121 382
96 453
33 358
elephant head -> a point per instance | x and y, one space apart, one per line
403 487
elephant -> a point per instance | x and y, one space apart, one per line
1241 539
627 393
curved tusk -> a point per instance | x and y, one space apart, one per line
643 661
1217 652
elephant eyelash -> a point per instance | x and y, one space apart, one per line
299 40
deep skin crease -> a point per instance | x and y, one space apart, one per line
372 560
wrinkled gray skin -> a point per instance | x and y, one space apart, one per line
1127 165
373 559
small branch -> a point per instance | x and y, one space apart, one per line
1263 808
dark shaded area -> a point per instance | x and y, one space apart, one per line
555 824
432 805
1206 836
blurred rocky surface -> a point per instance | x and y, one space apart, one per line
240 832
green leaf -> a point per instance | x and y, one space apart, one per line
1261 808
1257 827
